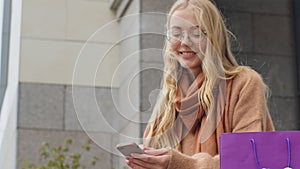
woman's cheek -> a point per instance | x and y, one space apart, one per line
203 45
174 47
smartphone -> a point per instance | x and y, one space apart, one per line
127 149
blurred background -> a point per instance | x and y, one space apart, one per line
91 69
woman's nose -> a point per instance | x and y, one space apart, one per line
186 39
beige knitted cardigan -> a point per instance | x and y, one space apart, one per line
247 112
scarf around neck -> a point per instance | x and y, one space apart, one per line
191 117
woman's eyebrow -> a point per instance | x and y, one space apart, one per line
179 27
175 26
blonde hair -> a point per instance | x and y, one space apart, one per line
218 63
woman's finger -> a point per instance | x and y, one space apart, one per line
148 148
142 164
150 161
144 157
156 152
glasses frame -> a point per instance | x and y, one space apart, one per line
202 32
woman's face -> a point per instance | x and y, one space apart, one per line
186 38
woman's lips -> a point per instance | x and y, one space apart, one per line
187 54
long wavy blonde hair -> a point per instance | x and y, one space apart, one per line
218 62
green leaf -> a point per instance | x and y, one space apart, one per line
30 166
86 147
65 149
45 154
58 148
77 156
45 144
51 163
75 166
93 163
69 141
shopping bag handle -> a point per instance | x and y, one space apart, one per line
256 156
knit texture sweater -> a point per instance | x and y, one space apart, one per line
247 112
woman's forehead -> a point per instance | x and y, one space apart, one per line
183 17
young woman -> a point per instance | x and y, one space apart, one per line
204 94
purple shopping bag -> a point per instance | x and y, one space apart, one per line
260 150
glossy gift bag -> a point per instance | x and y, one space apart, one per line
260 150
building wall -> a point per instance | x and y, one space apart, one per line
152 44
129 91
52 42
68 77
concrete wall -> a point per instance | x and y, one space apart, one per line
129 67
68 77
52 41
152 44
265 32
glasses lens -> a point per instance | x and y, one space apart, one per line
175 35
196 35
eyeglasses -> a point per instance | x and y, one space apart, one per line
176 34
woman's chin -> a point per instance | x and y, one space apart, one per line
191 65
187 64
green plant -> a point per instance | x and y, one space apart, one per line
60 157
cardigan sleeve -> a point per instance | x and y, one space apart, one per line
198 161
250 111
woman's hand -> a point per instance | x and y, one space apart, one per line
152 159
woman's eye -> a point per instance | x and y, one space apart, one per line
196 34
176 35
